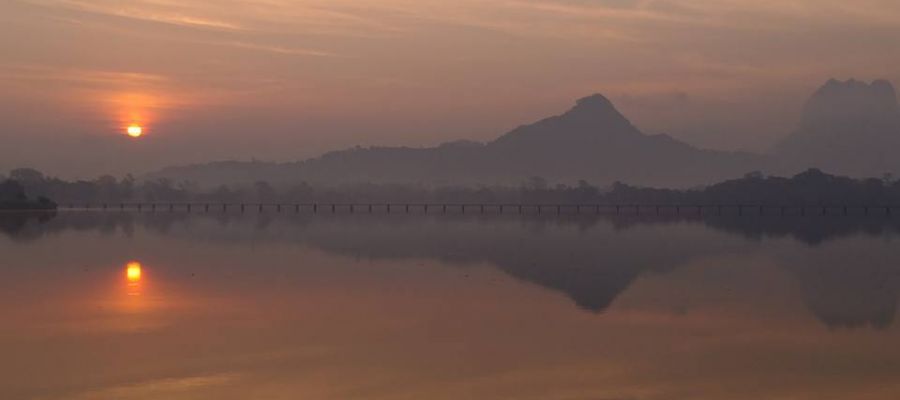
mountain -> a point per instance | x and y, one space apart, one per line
850 127
592 141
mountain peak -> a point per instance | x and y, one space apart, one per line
851 100
595 100
595 104
595 112
848 126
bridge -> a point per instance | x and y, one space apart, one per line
496 208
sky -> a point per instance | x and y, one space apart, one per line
284 80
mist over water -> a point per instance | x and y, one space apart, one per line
230 306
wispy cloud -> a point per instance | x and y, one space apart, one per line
74 75
141 10
277 49
186 387
272 16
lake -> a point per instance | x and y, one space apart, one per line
127 305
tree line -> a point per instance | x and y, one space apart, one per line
13 197
812 187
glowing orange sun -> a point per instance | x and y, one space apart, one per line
134 131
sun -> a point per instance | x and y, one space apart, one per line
134 130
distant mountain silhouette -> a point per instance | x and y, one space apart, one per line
849 127
595 142
592 141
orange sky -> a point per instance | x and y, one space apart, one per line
288 79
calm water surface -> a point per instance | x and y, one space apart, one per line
177 306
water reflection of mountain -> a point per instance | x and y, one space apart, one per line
591 264
812 230
848 284
845 283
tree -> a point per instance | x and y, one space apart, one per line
26 175
11 190
536 183
264 191
755 175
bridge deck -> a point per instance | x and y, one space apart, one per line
639 209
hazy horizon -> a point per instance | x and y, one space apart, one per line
286 80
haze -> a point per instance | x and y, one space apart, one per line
285 80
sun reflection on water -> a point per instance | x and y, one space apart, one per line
133 275
133 271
